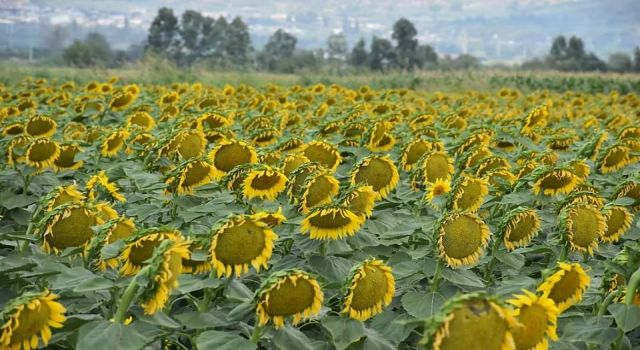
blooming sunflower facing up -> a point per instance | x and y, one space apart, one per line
566 285
67 226
359 199
265 183
165 266
229 154
583 225
618 220
331 222
28 316
289 293
42 153
241 241
437 189
40 126
318 189
113 143
377 171
100 180
615 158
190 175
462 238
555 181
371 287
323 153
468 193
140 247
536 317
520 227
471 321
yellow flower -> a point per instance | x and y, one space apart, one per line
266 183
292 162
70 226
331 222
323 153
554 182
143 120
566 285
436 165
286 294
113 143
101 180
196 265
42 153
66 160
121 100
469 192
462 238
379 172
436 189
186 144
140 248
318 189
242 241
413 152
272 219
536 317
618 221
17 149
191 175
615 158
40 126
29 316
359 199
583 226
63 194
371 288
521 226
229 154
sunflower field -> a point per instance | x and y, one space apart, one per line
188 216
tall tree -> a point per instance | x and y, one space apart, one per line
636 59
558 48
620 62
382 54
359 54
575 49
404 33
215 40
163 31
238 41
337 47
427 57
191 33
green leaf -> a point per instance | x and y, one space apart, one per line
591 330
332 268
291 338
422 304
462 277
511 259
375 341
98 335
202 320
221 340
13 201
160 319
92 284
627 316
343 330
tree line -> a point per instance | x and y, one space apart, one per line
194 38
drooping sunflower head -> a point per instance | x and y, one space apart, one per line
470 321
213 120
331 222
61 195
566 285
67 226
101 181
42 153
318 189
299 177
436 165
370 287
229 154
536 318
630 189
272 218
413 152
468 193
520 227
165 266
582 194
113 143
199 261
492 163
292 162
477 139
40 126
583 225
378 172
263 182
29 316
13 129
67 159
265 136
360 199
190 175
380 138
580 169
120 228
288 294
615 158
121 100
618 221
187 144
555 181
240 242
17 149
142 120
461 238
323 153
140 247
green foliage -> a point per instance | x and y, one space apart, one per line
94 50
404 33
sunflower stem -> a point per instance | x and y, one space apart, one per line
605 303
634 282
436 276
257 333
564 253
323 248
127 297
492 262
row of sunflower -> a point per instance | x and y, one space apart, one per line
541 171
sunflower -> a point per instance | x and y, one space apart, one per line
240 242
292 162
186 144
299 177
229 154
468 193
580 169
520 227
471 321
615 158
13 129
66 160
63 194
165 268
536 317
142 120
42 153
199 261
583 225
331 222
191 174
17 149
480 139
630 189
68 226
114 143
371 287
436 165
437 189
120 228
618 220
462 238
555 181
140 247
40 126
121 100
105 211
380 138
289 293
265 183
377 171
413 152
566 285
323 153
474 156
318 189
272 219
100 180
359 199
28 316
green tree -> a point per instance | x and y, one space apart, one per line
382 55
575 49
427 57
215 40
636 59
163 31
191 32
337 47
558 48
278 51
620 62
94 50
404 33
238 42
359 56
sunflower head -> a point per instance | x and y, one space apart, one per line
520 227
140 247
318 189
436 165
554 181
299 177
67 159
291 162
29 316
536 318
17 149
40 126
331 221
229 154
370 287
120 228
470 321
113 143
67 226
288 294
583 225
630 189
121 100
291 145
461 238
42 153
100 181
263 182
379 172
360 199
213 120
272 219
618 221
190 175
239 242
413 152
565 285
468 193
615 158
141 120
199 261
323 153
